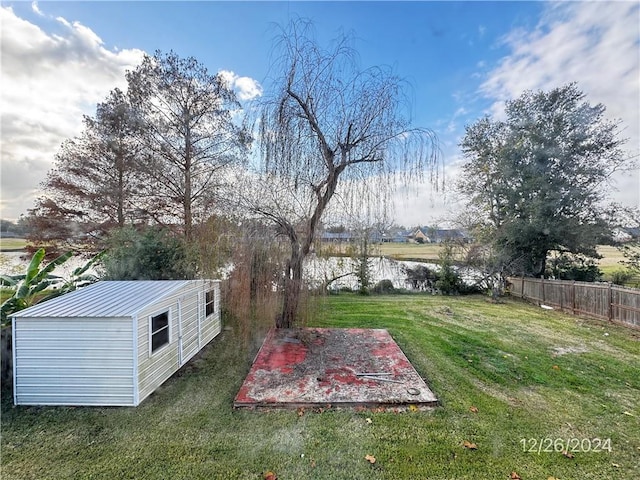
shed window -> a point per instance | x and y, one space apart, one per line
210 304
159 331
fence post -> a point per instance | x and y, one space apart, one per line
610 300
573 297
542 283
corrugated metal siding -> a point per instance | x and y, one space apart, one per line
90 359
212 325
154 369
73 361
106 299
191 307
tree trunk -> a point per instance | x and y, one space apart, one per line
292 290
188 215
120 167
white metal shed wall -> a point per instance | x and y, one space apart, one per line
212 325
92 346
186 317
73 361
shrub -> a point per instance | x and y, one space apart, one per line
421 277
573 267
448 282
384 286
621 277
150 254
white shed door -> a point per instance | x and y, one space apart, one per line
188 327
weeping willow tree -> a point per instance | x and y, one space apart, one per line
329 129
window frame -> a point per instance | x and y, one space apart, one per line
166 312
208 303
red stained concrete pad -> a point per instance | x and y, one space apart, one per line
332 366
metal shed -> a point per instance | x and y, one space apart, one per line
111 343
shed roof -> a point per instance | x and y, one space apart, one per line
105 299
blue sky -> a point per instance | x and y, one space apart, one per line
461 59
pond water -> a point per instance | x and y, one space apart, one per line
317 270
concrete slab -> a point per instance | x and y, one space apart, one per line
317 367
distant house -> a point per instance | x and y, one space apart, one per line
346 237
396 236
437 235
111 343
336 237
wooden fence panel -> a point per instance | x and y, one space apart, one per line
600 300
626 305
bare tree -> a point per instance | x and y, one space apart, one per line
329 128
190 134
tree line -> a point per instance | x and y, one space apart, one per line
177 150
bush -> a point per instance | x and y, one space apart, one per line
573 267
150 254
448 282
621 277
421 277
384 286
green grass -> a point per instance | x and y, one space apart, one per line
7 244
410 251
500 358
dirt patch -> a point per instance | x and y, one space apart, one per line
557 351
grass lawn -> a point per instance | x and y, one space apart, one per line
12 243
410 251
529 374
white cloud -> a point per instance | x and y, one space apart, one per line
592 43
245 87
48 83
36 9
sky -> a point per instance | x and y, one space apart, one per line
461 61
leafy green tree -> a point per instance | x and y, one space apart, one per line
538 178
573 267
362 263
631 253
448 282
151 254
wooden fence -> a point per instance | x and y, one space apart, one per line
600 300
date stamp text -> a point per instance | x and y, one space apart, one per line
571 445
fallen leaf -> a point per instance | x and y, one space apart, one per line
369 420
313 463
413 408
515 476
470 446
370 458
568 454
556 367
270 476
552 478
615 465
473 409
628 413
300 411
